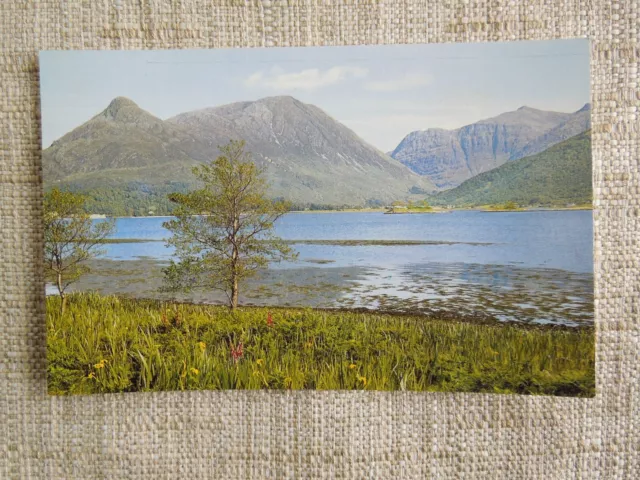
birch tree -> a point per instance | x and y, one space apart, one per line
71 238
223 233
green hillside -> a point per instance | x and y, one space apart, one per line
126 160
129 199
558 176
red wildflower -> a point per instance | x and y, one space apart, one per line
269 319
236 352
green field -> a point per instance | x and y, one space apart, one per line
111 344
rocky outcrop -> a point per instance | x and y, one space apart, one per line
449 157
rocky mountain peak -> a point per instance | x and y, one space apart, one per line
585 108
122 109
449 158
279 99
308 157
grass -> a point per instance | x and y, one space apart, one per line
111 344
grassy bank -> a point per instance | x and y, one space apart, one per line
110 344
493 208
416 211
343 210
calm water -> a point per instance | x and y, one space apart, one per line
524 266
546 239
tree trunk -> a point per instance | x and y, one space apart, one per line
234 293
63 298
234 279
234 265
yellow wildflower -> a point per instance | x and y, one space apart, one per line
363 380
202 346
91 375
260 361
100 364
195 371
352 366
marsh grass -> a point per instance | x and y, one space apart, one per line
112 344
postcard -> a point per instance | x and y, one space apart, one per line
399 217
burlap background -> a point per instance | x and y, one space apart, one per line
308 434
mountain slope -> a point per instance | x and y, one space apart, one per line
308 157
449 157
577 123
122 143
557 176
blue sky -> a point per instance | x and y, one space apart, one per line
381 92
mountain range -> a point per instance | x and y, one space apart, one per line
449 157
559 175
308 157
126 160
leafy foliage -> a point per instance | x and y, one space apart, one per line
111 344
223 232
557 176
131 199
70 238
420 206
139 199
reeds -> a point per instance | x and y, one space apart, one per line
111 344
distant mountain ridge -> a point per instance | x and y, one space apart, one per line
449 157
560 175
306 153
308 157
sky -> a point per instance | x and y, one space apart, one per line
381 92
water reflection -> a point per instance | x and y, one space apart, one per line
531 267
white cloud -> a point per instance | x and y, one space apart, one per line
409 81
309 79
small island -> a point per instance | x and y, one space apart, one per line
398 208
505 207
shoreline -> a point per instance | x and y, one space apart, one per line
567 209
417 315
384 211
432 291
425 212
332 242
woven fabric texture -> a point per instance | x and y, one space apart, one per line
281 435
